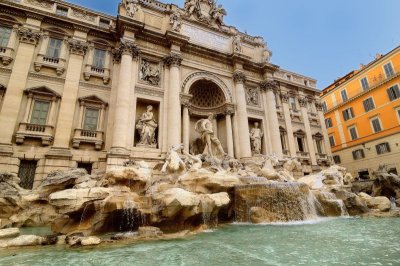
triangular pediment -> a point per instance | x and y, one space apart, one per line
42 90
93 99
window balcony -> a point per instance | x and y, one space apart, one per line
93 71
56 63
88 136
6 55
28 130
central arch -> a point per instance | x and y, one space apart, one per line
207 94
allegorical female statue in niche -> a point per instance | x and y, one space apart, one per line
213 145
146 127
256 135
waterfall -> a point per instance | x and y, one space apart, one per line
393 205
129 215
274 202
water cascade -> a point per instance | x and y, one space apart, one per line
274 202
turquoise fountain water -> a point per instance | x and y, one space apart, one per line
351 241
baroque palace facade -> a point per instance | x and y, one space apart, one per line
362 111
81 88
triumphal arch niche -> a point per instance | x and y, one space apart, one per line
205 95
131 86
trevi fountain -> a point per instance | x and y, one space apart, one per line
199 209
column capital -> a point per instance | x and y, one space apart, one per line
239 77
77 47
318 105
285 97
29 36
303 101
173 60
125 47
269 84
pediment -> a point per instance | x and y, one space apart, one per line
93 99
42 90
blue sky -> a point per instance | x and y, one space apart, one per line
317 38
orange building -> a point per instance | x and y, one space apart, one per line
362 116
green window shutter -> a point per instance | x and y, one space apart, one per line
91 119
39 112
4 36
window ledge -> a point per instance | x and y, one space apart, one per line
27 130
103 73
88 136
57 63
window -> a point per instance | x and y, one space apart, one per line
292 102
4 36
62 11
54 48
376 125
353 133
398 113
382 148
91 119
336 159
364 83
348 114
388 70
39 112
319 144
368 104
104 23
324 107
332 141
328 123
99 58
343 93
358 154
393 92
283 138
300 144
26 173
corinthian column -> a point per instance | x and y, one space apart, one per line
269 86
125 53
321 117
243 123
174 61
307 127
229 135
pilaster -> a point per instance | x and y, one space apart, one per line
307 127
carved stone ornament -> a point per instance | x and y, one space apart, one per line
83 15
239 77
206 11
125 47
319 107
237 44
131 6
175 21
149 73
269 85
41 3
77 47
29 36
285 97
252 96
173 60
302 102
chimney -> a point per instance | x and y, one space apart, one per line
362 66
377 56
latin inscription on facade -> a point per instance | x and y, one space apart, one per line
206 38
